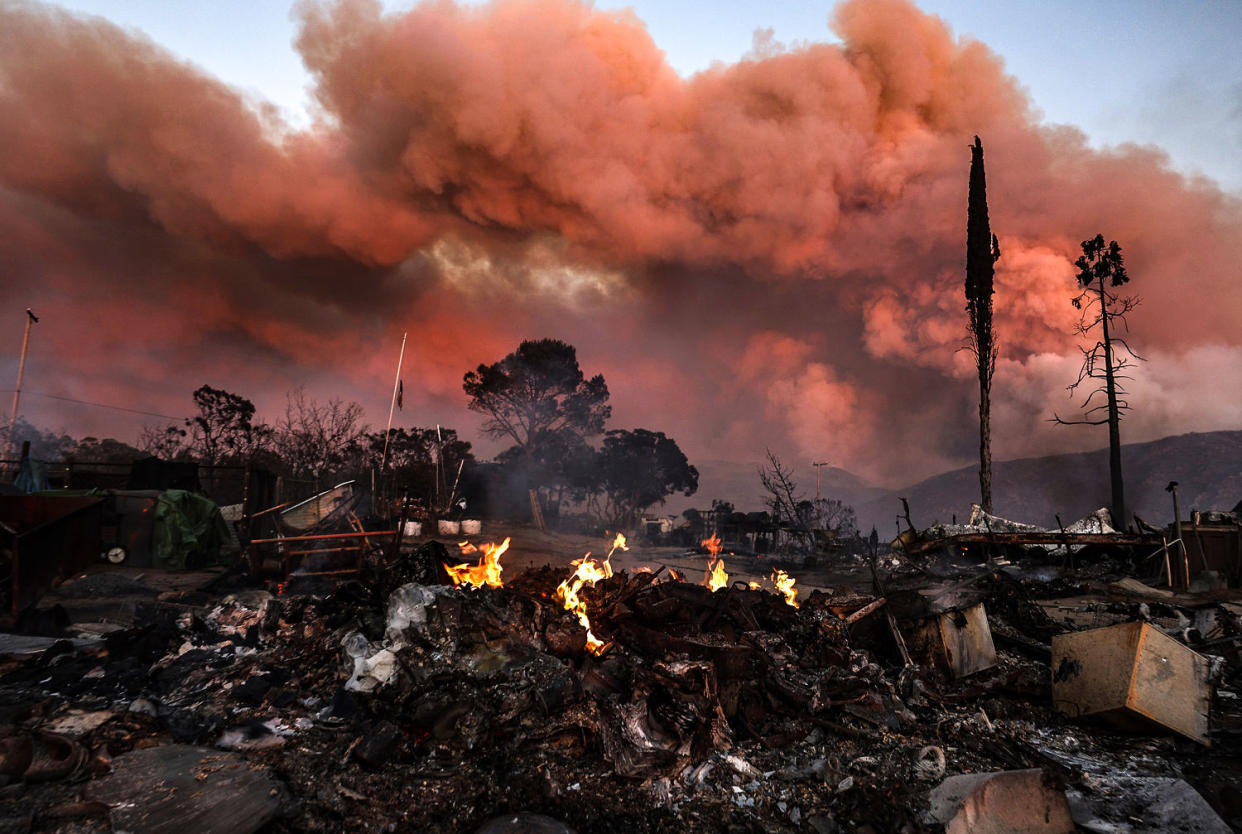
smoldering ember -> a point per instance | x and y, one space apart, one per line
537 433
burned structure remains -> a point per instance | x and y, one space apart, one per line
359 674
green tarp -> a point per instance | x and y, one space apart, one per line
189 531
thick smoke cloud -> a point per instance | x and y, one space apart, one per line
768 253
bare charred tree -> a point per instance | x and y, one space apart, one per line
224 430
314 439
1100 271
783 498
982 252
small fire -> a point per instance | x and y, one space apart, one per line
587 571
713 544
486 572
716 578
785 584
753 585
674 576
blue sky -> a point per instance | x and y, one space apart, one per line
1147 71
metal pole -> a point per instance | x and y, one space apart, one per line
17 392
391 406
1177 526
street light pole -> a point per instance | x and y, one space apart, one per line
31 318
818 469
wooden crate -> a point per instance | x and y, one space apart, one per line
1132 674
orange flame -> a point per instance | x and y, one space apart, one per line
716 578
753 585
486 572
588 571
785 584
713 544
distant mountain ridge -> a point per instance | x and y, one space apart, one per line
1207 466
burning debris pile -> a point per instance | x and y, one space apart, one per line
431 695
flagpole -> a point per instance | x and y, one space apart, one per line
392 405
17 392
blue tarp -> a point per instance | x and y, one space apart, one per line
32 476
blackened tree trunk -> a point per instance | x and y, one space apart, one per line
1101 270
1118 508
982 252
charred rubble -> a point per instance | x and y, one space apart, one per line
393 701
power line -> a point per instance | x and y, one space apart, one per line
100 405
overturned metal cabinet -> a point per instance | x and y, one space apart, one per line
1132 674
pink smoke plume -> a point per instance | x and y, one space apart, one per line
766 253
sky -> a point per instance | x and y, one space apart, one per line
749 217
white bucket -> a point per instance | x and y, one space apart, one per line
448 528
471 527
413 528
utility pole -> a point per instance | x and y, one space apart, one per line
818 469
31 318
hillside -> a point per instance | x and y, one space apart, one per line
1207 466
738 483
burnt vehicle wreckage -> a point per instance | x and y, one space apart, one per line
344 676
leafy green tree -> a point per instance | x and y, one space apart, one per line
640 468
224 430
1101 271
539 398
562 463
538 395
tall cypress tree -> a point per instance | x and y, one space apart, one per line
982 251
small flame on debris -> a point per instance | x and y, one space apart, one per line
486 572
674 576
588 571
643 569
753 585
713 544
785 584
716 578
280 588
